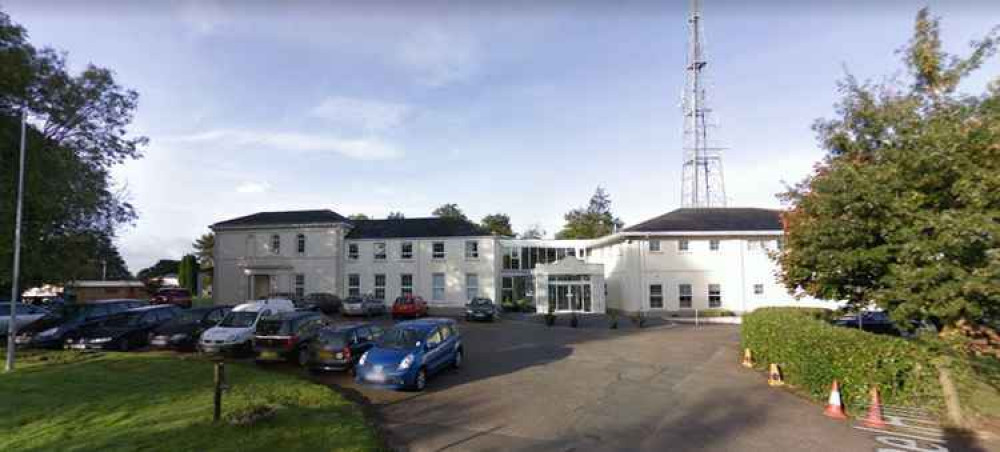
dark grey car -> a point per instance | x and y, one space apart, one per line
482 309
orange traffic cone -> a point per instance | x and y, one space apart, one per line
774 376
874 419
834 407
747 358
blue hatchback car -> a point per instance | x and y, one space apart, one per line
408 353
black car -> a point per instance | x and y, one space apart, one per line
877 322
286 336
339 348
123 331
482 309
326 303
64 322
183 331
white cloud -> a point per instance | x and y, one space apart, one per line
253 187
204 17
439 58
369 115
355 148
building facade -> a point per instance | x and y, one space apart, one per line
684 260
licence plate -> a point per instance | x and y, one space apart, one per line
268 355
22 339
78 346
158 342
323 354
376 377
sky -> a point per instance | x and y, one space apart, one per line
515 107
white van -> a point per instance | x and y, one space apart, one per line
235 332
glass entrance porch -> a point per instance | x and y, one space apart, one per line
570 293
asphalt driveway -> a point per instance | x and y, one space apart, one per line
529 387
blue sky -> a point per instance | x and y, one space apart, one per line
498 107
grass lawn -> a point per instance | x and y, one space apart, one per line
162 401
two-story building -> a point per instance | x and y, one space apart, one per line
686 259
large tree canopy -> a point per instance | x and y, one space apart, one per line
449 211
595 220
904 212
77 132
498 224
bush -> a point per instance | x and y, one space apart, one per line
716 312
812 353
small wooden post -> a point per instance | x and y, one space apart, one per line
220 377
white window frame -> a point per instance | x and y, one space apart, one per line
300 285
354 285
405 289
473 251
353 252
656 295
403 254
683 303
379 291
434 252
300 243
683 246
439 284
471 290
714 245
717 302
758 289
275 244
654 246
379 251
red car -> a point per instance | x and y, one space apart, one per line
178 297
409 306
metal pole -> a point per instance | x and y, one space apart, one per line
14 289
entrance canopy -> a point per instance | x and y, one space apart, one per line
570 285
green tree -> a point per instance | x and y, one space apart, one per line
396 216
449 211
77 133
160 268
534 231
204 249
904 212
358 216
595 220
187 273
498 224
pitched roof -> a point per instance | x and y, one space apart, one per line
414 228
287 217
712 219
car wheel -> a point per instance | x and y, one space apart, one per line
421 381
458 359
303 357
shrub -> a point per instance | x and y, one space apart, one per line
812 353
716 312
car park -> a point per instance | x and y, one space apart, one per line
123 331
338 348
366 306
327 303
183 331
409 306
175 296
286 336
409 353
64 322
481 308
236 330
26 314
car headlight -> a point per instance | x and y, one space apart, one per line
363 358
49 332
468 311
100 340
178 337
406 362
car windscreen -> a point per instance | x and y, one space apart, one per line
400 338
123 320
186 317
273 327
337 339
353 300
404 301
482 302
239 319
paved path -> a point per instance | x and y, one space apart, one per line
528 387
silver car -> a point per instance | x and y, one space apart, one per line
366 306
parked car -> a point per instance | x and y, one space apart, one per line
366 306
326 303
482 309
234 334
175 296
338 348
409 306
410 352
871 321
286 336
64 322
123 331
26 314
183 331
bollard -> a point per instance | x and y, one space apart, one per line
220 378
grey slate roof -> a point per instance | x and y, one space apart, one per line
286 217
414 228
712 219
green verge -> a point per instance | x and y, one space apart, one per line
812 353
161 401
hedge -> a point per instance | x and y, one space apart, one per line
812 353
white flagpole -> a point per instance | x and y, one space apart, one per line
14 290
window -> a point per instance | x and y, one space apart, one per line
437 250
437 287
380 287
406 250
654 246
354 285
300 243
714 296
655 296
352 251
713 245
300 285
276 244
406 284
758 289
434 339
684 295
471 286
683 245
472 249
379 251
